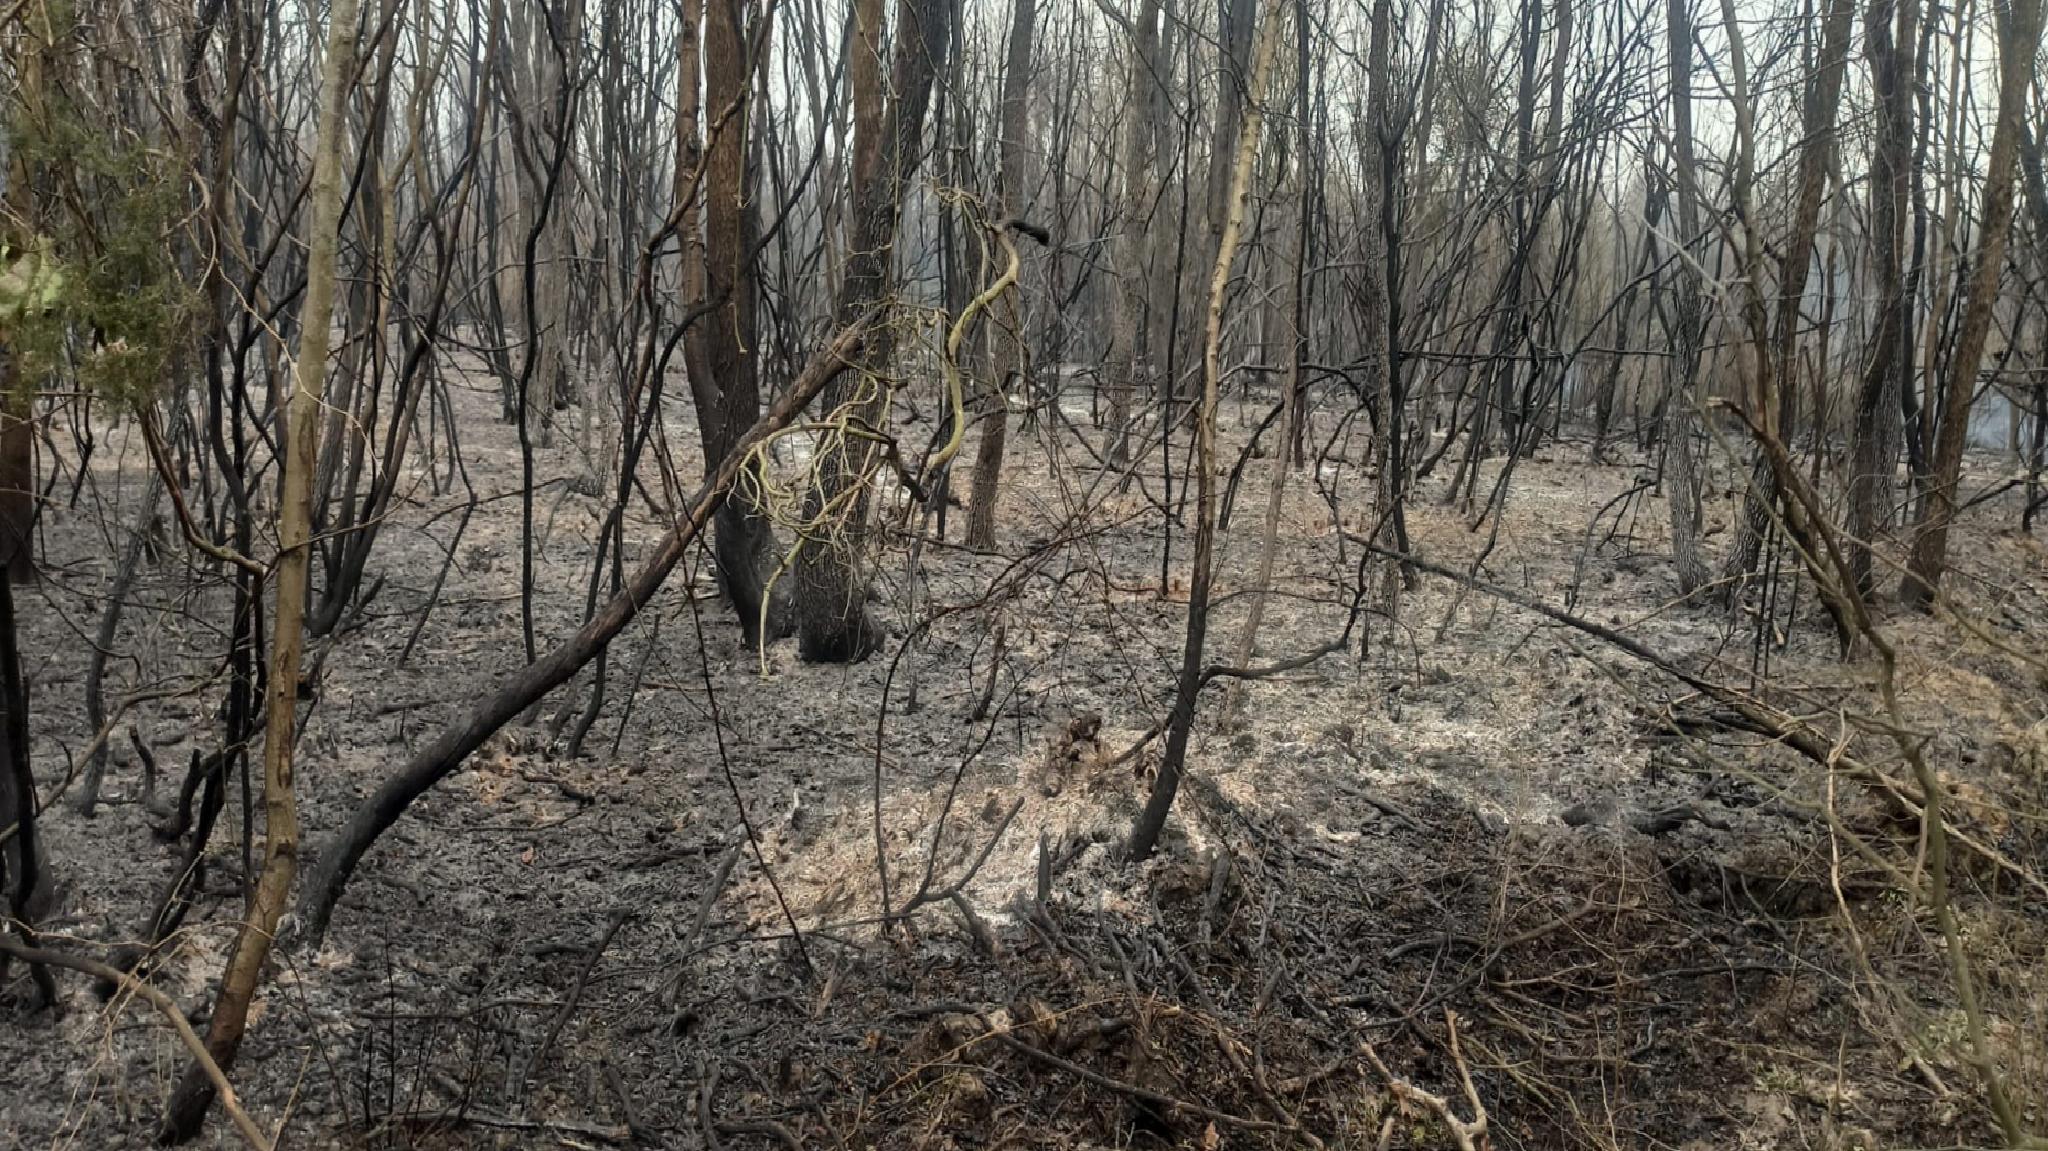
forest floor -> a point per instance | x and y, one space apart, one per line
1460 824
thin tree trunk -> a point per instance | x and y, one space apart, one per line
1681 468
1010 355
1151 821
1874 446
2019 35
244 972
1624 322
2035 454
1130 327
125 572
1297 351
1379 311
1777 349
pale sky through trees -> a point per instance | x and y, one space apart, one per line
1029 574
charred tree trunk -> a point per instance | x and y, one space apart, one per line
1130 326
2035 452
721 349
17 471
291 579
1681 467
1777 350
834 624
1874 443
24 880
2019 36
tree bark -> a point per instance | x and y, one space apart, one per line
720 351
1874 444
189 1104
1009 357
2019 35
1681 468
1380 306
1151 821
834 624
1129 328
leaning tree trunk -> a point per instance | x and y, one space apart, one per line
293 571
467 731
1008 338
2019 36
834 624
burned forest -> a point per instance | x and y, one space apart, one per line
976 575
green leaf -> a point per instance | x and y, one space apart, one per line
31 283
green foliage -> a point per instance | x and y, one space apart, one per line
31 282
95 288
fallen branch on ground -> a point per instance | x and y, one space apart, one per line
251 1133
1749 712
1468 1135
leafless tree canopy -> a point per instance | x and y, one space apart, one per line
1497 598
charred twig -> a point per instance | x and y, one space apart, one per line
984 939
1219 671
1143 1094
626 1110
703 917
926 895
763 1127
603 1132
540 1053
707 1085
